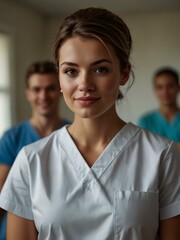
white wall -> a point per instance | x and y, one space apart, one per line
52 26
26 28
156 38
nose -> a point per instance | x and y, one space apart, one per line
86 83
43 94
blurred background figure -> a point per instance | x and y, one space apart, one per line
166 120
43 94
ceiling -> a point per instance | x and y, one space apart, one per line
55 8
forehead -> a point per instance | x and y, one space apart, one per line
85 49
165 79
42 80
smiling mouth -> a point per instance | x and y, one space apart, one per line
45 105
87 101
87 98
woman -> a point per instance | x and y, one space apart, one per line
99 178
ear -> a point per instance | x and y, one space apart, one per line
125 75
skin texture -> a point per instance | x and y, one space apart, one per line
89 72
43 94
86 69
166 91
20 229
170 229
4 170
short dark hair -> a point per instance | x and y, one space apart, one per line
167 71
41 67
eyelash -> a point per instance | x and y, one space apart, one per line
98 70
103 70
70 70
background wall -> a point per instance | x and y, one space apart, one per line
27 30
156 38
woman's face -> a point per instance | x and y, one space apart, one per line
89 76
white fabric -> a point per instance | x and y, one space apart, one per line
132 184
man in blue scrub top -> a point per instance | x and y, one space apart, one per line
43 94
166 120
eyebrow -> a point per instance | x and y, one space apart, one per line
48 86
92 64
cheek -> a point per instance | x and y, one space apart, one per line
67 87
55 96
173 92
159 92
32 98
110 86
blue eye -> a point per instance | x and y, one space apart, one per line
101 70
71 72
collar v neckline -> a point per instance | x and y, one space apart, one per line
116 145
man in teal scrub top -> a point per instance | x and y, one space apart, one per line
166 120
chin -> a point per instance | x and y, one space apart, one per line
89 114
167 103
45 113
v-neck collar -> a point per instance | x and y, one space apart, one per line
116 145
174 120
33 130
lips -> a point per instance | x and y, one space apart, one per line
87 101
45 105
87 98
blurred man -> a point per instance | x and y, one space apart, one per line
43 94
166 120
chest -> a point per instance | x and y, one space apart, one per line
109 199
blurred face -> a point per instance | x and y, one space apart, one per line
166 90
43 94
89 76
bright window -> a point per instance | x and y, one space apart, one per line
5 95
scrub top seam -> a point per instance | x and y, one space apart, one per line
119 152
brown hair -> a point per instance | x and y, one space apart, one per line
167 71
100 24
41 67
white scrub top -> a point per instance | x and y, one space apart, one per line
132 185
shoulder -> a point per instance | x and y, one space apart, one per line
10 143
148 140
178 116
158 154
148 115
48 145
11 135
13 131
146 120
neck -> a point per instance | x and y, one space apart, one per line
45 125
169 111
95 132
92 135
